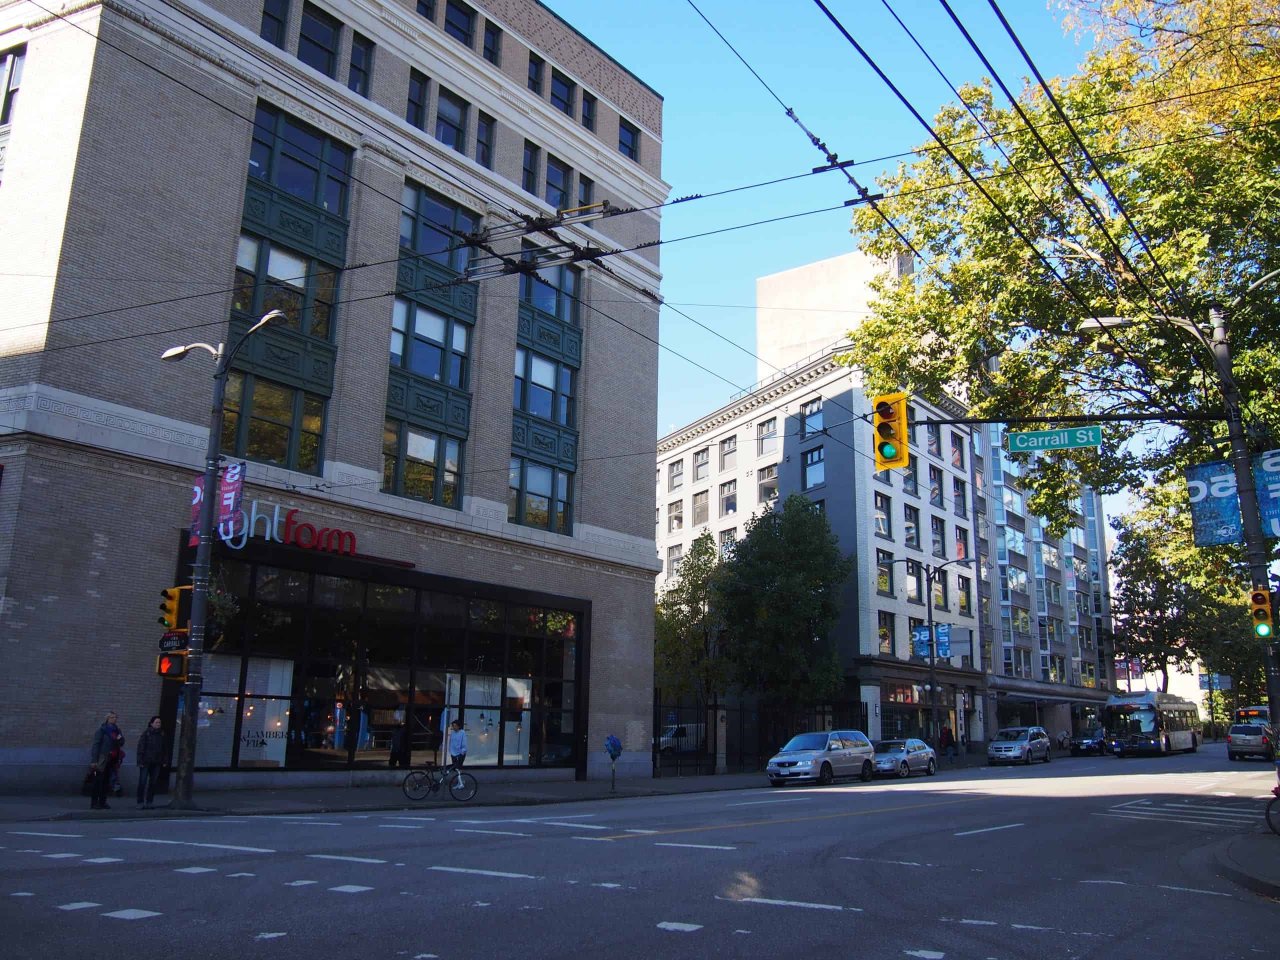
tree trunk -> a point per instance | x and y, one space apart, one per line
1164 678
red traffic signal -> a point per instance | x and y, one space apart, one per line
172 666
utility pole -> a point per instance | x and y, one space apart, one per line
1255 543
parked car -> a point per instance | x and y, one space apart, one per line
822 757
1019 745
1249 740
901 758
1091 741
683 738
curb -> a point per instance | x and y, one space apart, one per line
1254 884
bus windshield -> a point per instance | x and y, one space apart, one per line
1125 720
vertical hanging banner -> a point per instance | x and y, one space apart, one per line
1215 505
226 509
943 640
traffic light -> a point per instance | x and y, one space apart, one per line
1260 613
172 666
170 607
892 439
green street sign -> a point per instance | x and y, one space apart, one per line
1065 438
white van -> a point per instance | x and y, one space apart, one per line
683 738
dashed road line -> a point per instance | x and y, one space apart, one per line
103 860
79 905
131 914
500 833
802 904
192 843
195 870
301 883
695 846
334 856
61 856
350 888
1210 893
677 927
36 833
970 833
486 873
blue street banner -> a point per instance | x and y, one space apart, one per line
1221 681
1215 505
920 641
943 640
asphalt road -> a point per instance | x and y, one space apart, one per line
1076 858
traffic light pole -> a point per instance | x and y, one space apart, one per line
1255 542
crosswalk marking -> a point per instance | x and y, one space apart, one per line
1198 812
79 905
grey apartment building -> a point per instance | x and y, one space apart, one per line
446 508
1029 614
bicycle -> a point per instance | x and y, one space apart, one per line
418 784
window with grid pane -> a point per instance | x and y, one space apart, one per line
429 344
272 423
701 507
300 160
485 131
767 436
559 179
628 139
436 227
586 191
529 169
562 89
535 73
728 498
421 465
415 110
275 17
543 387
360 72
271 277
767 484
492 44
451 120
460 22
553 290
539 496
884 572
814 468
885 622
884 520
318 40
911 526
588 110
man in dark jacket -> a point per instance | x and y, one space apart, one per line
150 759
108 746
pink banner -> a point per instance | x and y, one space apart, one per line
230 492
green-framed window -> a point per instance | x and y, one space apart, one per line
421 464
429 344
300 160
273 423
543 387
540 496
272 277
553 290
433 226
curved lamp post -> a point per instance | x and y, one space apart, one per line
1219 347
222 356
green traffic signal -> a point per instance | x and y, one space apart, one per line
1260 612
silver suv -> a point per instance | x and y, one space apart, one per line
1019 745
822 757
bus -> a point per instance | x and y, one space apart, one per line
1151 722
1258 714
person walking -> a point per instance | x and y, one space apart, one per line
457 743
105 756
947 741
150 754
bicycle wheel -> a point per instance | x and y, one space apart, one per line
416 785
462 786
1273 815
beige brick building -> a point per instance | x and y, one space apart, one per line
171 171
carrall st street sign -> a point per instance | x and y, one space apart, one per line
1066 438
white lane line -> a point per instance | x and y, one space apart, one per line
1118 883
229 875
191 843
596 839
979 923
301 883
30 850
1162 819
579 826
60 856
895 863
399 826
500 833
798 903
333 856
269 936
761 803
312 823
103 860
970 833
486 873
34 833
608 886
640 831
350 888
1209 893
925 954
675 927
79 905
695 846
22 893
195 870
131 914
420 819
1028 926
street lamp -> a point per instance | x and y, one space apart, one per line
200 574
1219 348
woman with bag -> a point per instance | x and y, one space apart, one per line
105 755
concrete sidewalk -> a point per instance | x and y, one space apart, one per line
1252 861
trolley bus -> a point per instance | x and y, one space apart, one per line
1258 714
1151 722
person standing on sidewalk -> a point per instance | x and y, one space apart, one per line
150 755
105 755
457 743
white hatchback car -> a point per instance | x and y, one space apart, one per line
822 757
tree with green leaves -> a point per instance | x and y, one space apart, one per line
687 657
779 595
1024 240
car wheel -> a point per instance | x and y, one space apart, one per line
932 768
867 772
903 770
1026 757
776 783
825 776
1048 755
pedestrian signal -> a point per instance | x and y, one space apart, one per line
171 607
1260 613
172 666
892 438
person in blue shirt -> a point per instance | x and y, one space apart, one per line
457 743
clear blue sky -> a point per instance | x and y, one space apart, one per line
722 129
